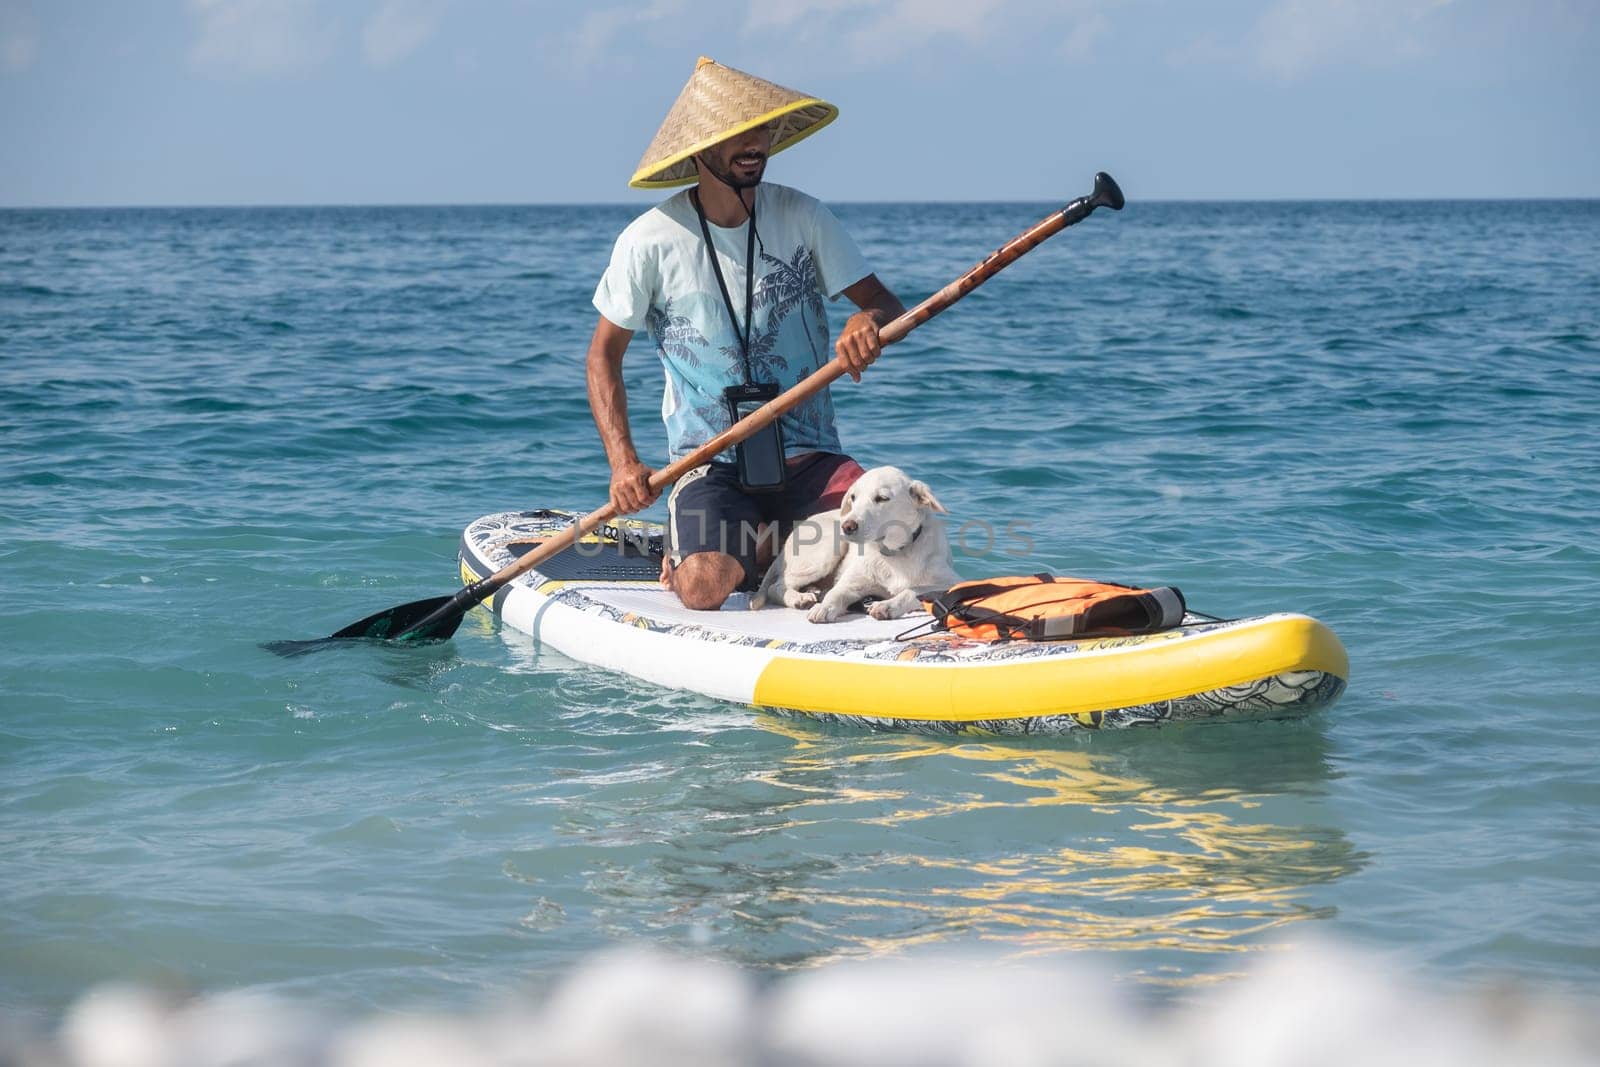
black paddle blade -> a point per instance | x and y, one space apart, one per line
401 623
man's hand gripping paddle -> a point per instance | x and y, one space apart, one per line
435 619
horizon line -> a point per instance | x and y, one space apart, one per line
643 205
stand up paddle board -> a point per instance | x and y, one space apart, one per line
599 602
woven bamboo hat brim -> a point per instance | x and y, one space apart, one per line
717 103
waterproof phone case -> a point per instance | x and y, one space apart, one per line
760 456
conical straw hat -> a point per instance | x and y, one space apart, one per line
717 103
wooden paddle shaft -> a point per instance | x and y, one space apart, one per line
823 376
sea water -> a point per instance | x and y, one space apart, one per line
225 427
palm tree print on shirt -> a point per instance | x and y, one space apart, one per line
777 354
787 287
678 340
675 335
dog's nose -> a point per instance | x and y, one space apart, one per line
849 526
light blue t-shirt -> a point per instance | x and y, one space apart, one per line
660 279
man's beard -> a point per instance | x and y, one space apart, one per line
726 176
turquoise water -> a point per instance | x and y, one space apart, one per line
221 427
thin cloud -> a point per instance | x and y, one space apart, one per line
929 17
591 42
1084 35
904 25
871 32
260 38
19 36
1209 49
787 14
1295 38
398 28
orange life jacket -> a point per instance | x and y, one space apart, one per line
1040 607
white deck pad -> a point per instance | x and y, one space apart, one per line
773 621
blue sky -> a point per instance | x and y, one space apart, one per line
528 101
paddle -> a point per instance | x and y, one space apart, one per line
437 618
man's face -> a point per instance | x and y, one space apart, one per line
741 159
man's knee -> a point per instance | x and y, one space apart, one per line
706 579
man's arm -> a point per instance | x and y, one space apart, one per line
858 344
608 400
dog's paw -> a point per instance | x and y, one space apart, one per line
801 598
883 609
823 613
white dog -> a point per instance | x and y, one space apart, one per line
884 541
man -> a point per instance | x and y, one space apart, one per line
729 279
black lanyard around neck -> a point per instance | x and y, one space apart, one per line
749 277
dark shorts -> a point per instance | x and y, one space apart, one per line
708 512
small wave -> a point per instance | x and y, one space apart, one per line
269 325
1232 312
29 289
210 405
42 479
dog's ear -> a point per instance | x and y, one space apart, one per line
925 498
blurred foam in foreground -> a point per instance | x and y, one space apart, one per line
1312 1004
